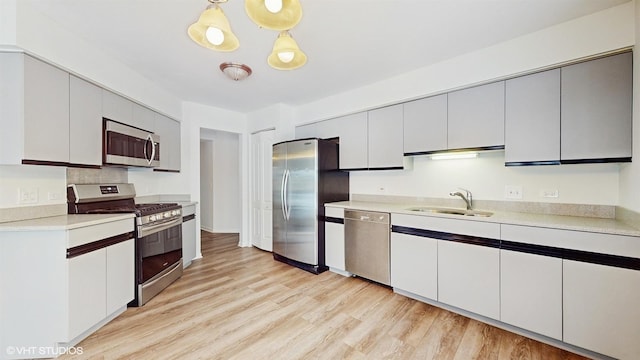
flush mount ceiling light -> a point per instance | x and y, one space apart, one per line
212 30
235 71
274 14
286 54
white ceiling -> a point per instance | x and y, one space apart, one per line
349 43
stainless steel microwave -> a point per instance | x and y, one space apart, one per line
129 146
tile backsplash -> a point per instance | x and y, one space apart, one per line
97 176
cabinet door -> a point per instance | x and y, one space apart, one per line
143 118
600 309
87 291
116 107
334 245
425 125
46 112
385 132
414 264
188 242
476 117
596 109
169 132
532 118
531 292
469 277
85 122
120 275
353 141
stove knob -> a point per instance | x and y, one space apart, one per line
167 214
152 218
175 212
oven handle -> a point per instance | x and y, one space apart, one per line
152 229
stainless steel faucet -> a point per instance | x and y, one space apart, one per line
468 198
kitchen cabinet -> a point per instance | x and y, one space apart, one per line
116 107
85 122
81 291
532 119
143 118
469 277
531 292
425 125
334 239
414 264
476 117
34 111
353 141
600 308
596 110
188 234
385 133
169 132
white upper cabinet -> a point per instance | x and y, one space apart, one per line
353 140
596 109
425 125
34 111
532 119
476 117
385 145
169 132
116 107
143 118
85 122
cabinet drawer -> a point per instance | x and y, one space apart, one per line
334 212
88 234
453 226
620 245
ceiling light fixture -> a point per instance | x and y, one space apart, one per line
453 156
286 54
212 30
274 14
235 71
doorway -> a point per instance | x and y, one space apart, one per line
261 199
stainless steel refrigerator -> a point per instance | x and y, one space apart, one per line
305 177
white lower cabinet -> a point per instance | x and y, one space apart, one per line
469 277
601 309
87 291
120 275
414 264
334 240
531 292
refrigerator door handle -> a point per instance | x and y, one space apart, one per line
287 210
282 195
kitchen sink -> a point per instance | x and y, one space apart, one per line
451 211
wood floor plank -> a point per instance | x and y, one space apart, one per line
239 303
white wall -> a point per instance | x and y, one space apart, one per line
47 181
206 185
486 177
630 174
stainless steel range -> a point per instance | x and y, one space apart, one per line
158 229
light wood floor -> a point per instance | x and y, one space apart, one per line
238 303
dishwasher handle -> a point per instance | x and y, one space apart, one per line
367 216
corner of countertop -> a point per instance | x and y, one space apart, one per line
627 216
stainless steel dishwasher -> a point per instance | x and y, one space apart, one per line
366 245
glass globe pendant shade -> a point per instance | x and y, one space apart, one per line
265 13
286 54
212 30
235 71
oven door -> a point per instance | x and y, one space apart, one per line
159 247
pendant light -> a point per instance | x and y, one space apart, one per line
274 14
212 30
286 54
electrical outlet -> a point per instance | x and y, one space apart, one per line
381 190
513 191
54 195
549 193
27 196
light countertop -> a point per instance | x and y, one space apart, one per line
63 222
577 223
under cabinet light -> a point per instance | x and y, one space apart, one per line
453 156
